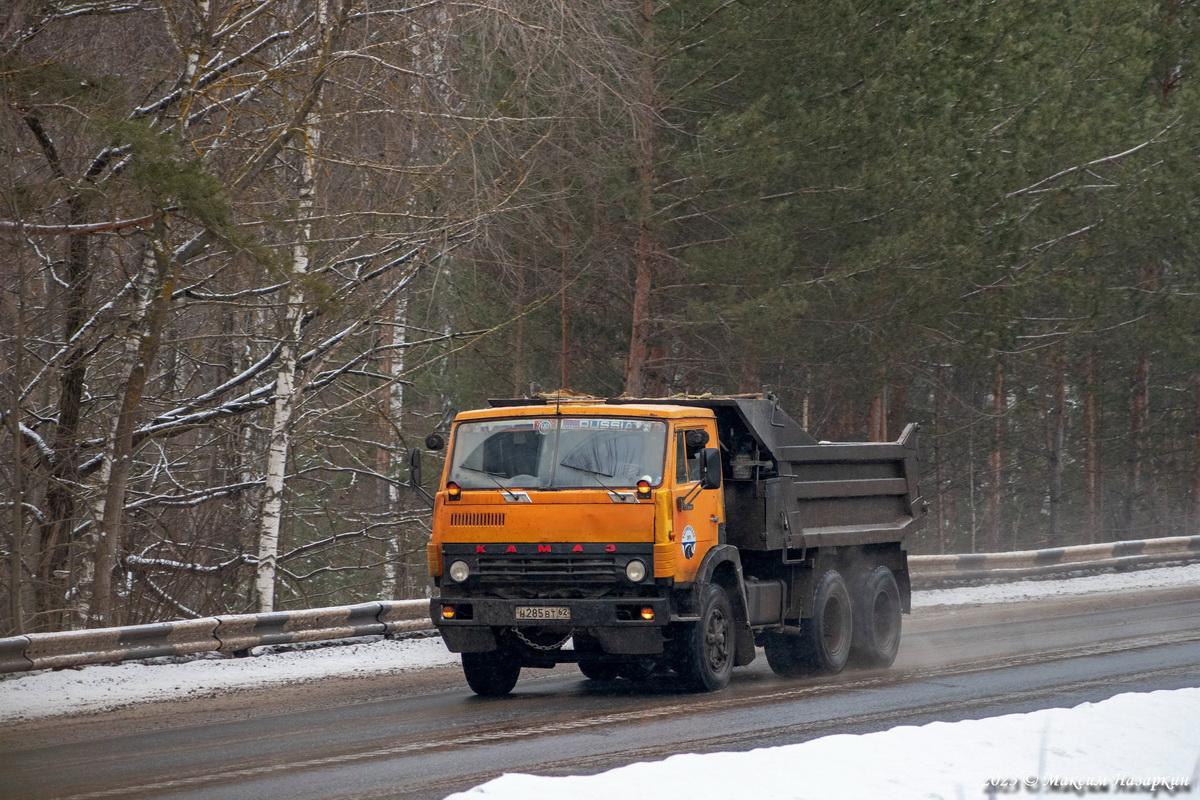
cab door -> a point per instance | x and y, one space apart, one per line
698 512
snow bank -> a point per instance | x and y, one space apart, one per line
1188 575
1130 745
97 688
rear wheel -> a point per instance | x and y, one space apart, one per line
823 644
639 670
599 670
876 620
594 670
491 674
705 654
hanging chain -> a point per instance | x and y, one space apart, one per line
545 647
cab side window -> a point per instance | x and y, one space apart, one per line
688 444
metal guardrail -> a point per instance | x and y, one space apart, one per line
934 570
237 634
233 634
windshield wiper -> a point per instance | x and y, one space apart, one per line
496 480
595 476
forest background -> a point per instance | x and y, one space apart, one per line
252 251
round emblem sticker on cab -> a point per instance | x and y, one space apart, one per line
688 540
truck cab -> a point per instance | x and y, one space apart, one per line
572 521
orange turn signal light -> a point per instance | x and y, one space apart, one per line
647 613
643 489
453 490
447 612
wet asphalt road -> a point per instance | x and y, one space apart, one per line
432 737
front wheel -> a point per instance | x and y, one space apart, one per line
491 674
705 655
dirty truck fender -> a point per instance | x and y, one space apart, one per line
722 564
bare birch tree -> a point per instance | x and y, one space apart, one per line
215 250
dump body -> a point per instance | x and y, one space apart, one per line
621 534
783 488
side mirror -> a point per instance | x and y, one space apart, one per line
710 468
414 467
435 442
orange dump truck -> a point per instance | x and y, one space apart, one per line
667 536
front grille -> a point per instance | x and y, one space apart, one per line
477 519
571 569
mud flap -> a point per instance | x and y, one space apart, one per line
468 640
745 645
629 641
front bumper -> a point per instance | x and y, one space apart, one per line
616 622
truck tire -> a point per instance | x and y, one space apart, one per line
876 621
636 671
609 670
599 670
491 674
704 658
594 670
823 644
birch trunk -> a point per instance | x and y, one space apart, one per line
155 286
279 446
286 395
12 417
396 338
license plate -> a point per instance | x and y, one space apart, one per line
543 612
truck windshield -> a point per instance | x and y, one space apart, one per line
558 453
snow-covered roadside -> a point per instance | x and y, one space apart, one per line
1187 575
93 689
1134 745
25 696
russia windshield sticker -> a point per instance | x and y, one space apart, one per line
604 423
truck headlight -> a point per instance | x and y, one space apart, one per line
459 571
635 571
